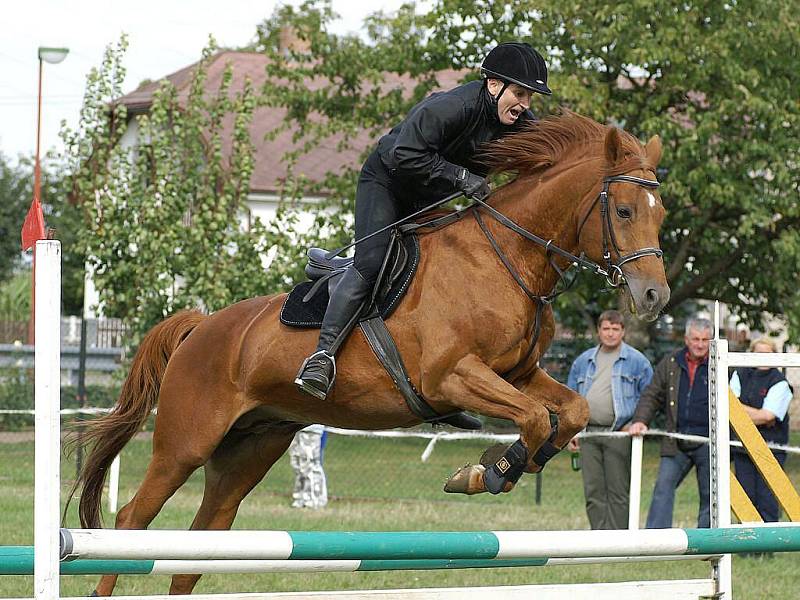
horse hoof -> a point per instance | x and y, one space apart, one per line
467 480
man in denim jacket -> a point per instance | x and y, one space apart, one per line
610 376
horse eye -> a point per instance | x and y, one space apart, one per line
623 212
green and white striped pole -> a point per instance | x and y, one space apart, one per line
426 545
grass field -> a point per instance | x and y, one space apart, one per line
382 485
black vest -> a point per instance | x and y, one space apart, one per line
755 385
692 399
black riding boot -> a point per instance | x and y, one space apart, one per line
318 372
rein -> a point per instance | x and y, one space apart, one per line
613 271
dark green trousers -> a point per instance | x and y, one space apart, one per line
606 469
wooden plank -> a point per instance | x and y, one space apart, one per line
741 504
763 458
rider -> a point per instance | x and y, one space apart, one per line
428 156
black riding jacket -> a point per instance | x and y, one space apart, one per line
441 134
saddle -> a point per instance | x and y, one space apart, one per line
305 306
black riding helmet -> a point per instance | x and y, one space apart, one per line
516 62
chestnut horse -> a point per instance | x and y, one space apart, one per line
224 382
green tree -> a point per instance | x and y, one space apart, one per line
65 217
161 220
718 82
15 197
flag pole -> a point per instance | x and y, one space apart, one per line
37 189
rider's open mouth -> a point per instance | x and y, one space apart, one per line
514 112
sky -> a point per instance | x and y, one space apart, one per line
163 36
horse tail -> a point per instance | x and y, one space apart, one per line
108 434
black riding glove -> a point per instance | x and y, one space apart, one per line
472 186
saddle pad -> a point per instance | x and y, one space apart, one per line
308 315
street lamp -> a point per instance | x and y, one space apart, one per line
52 56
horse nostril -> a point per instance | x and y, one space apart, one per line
651 295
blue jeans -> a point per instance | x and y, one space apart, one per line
673 470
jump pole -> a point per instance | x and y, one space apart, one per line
18 560
404 545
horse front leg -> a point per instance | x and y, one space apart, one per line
569 413
472 385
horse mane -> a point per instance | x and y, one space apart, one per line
543 143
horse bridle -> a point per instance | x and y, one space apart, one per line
614 275
613 271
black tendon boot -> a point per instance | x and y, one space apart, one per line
318 372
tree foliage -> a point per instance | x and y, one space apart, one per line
162 218
717 81
16 192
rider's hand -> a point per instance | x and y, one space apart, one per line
637 428
472 186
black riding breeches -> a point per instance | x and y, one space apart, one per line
377 205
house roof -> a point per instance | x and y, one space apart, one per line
269 169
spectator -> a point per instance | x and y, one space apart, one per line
679 389
305 457
611 376
765 395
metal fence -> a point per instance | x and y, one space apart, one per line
104 332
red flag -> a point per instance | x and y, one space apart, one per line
33 227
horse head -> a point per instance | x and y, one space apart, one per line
591 189
619 224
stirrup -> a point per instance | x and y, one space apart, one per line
306 386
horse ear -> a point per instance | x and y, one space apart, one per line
615 153
653 150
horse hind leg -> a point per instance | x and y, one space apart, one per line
164 476
239 463
175 457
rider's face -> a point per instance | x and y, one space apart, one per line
514 101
